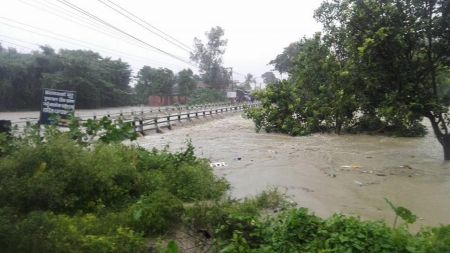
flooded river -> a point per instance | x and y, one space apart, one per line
350 174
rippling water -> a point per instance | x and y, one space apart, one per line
351 174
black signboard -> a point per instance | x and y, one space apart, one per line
60 103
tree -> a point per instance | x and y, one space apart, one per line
400 48
153 81
98 81
186 82
318 95
209 58
284 61
249 80
269 77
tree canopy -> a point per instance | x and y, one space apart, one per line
154 81
98 81
379 66
269 77
209 58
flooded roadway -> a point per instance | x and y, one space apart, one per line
350 174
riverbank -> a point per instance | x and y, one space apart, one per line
349 174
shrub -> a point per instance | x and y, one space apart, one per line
157 213
60 195
206 95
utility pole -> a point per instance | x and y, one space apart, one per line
231 78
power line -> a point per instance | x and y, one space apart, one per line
72 17
120 30
143 60
67 39
88 24
143 26
150 25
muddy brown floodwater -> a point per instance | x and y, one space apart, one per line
349 174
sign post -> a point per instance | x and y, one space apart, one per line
56 102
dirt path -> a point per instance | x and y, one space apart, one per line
350 174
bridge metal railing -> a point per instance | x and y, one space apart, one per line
155 118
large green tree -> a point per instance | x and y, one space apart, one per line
209 58
399 48
284 61
269 77
249 80
154 81
98 81
186 82
318 95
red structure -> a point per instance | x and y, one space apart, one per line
166 100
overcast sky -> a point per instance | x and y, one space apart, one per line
256 30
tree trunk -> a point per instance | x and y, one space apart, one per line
443 138
446 146
338 127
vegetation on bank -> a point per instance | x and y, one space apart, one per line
377 67
205 96
84 191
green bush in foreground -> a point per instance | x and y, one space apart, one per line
297 230
60 195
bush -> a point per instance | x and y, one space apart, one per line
47 232
297 230
205 96
60 195
157 213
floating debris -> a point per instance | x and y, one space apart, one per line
358 183
218 164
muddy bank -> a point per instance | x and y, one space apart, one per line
350 174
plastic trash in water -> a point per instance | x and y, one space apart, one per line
218 164
358 183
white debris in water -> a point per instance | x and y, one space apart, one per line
218 164
358 183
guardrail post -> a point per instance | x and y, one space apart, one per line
155 120
168 123
141 126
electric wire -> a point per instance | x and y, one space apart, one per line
69 16
120 30
149 25
90 25
77 42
